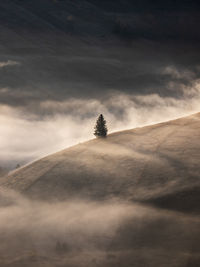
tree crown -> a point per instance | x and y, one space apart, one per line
100 129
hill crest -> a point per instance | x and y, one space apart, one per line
137 164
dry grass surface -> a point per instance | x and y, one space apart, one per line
129 200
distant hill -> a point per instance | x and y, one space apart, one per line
144 164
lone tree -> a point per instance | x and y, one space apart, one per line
100 129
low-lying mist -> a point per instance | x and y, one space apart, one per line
86 233
28 133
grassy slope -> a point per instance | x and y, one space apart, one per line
155 165
140 164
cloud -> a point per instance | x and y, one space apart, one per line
31 132
9 63
51 100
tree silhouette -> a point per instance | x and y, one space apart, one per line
100 129
17 166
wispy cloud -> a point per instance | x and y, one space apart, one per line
8 63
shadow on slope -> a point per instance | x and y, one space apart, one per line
185 201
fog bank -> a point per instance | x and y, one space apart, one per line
28 133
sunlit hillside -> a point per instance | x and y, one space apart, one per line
131 199
136 164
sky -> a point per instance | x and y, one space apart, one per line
63 62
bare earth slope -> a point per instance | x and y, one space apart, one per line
144 164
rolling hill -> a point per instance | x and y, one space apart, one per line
131 199
150 164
